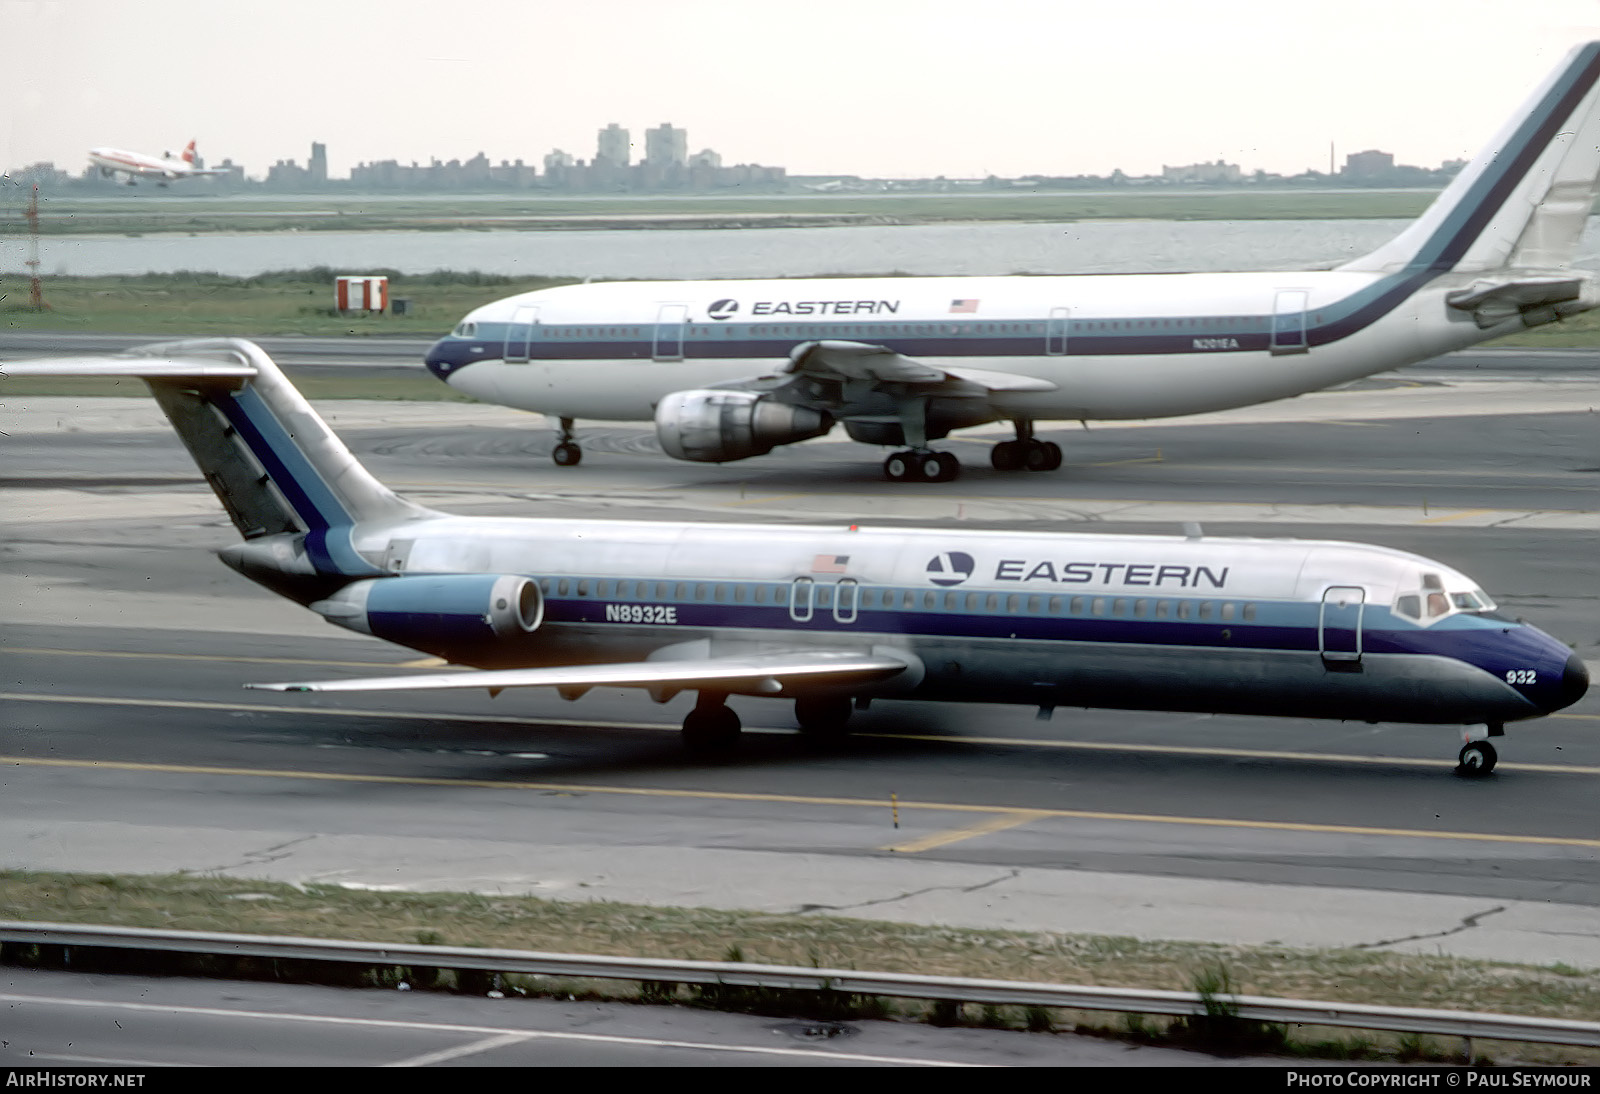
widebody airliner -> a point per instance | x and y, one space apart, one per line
733 369
831 618
133 166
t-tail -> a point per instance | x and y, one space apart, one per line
1509 224
291 487
189 154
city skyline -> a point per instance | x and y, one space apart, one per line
882 89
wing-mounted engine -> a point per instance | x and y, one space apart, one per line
448 614
717 426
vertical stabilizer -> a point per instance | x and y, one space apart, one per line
271 459
1523 201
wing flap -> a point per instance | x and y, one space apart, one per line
765 674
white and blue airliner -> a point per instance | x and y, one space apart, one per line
831 618
733 369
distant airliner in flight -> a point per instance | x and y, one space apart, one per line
137 165
733 369
831 618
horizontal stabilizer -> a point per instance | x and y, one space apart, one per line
1494 300
155 368
764 674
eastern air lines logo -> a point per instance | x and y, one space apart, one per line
950 568
723 309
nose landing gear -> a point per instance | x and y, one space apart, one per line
566 452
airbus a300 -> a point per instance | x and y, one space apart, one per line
733 369
831 618
133 166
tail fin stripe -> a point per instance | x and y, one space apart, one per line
327 520
1480 205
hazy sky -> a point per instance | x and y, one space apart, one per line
869 87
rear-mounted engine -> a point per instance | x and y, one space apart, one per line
438 611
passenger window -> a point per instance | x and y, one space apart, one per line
1034 605
603 590
1119 607
1163 609
994 602
1055 605
683 592
561 590
1249 613
952 602
761 594
1183 609
1099 606
702 592
930 601
1013 603
1227 612
1077 605
738 594
722 594
583 588
1141 608
1205 609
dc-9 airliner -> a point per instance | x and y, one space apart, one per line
832 618
733 369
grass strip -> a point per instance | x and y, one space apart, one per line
184 902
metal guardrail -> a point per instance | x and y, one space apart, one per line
1466 1024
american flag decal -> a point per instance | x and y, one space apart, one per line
963 306
829 564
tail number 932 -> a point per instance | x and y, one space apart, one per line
1522 676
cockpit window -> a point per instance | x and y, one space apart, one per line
1437 605
1465 601
1409 606
466 330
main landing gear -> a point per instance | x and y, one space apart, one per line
711 727
921 466
823 718
1025 453
566 452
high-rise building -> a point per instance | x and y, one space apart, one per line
319 163
665 146
615 148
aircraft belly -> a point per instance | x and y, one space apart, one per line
604 390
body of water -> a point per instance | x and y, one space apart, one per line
955 249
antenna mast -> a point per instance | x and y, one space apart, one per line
36 289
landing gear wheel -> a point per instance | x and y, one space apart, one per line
1052 456
938 466
823 718
1006 456
1477 760
567 454
898 467
708 730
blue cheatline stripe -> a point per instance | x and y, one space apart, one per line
327 521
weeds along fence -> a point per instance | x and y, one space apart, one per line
240 956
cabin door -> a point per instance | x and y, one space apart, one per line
519 335
1289 322
1339 627
669 332
1055 337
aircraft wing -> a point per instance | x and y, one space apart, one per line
763 673
836 360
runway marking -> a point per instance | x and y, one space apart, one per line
476 1048
877 805
957 835
488 1031
1021 742
1463 515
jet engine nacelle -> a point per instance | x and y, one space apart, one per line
711 426
438 611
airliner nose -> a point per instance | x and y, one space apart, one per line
1574 682
440 360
